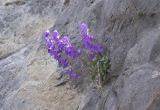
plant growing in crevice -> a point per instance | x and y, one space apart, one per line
88 56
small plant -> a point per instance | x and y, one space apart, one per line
75 59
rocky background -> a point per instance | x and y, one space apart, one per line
29 77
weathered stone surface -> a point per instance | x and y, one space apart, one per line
130 30
27 76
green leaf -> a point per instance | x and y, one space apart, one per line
94 76
94 62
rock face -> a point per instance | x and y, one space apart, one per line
129 28
26 70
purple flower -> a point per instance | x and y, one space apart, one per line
91 55
46 34
71 51
51 49
71 74
60 45
64 52
99 48
65 40
57 57
49 42
88 45
79 51
64 62
55 35
74 76
88 38
69 71
84 28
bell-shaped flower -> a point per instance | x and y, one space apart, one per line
84 28
55 35
65 40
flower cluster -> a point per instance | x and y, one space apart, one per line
88 44
67 54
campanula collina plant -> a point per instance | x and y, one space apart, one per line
87 55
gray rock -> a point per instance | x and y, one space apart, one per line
129 29
1 26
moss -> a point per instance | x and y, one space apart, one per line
142 14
